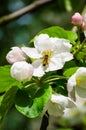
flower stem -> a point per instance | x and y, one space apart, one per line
54 78
80 47
45 121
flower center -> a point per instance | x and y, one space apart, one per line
78 81
46 57
81 81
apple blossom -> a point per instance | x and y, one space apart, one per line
76 85
21 70
15 55
58 103
77 19
50 53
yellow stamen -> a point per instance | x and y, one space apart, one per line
78 81
46 57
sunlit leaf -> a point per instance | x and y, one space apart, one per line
7 101
70 71
59 32
33 107
6 81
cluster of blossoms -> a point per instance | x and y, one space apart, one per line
50 54
20 69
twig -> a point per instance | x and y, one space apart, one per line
45 121
23 11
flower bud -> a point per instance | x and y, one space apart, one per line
15 55
77 19
21 70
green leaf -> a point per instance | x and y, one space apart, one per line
1 98
81 55
33 107
59 32
7 101
70 71
6 81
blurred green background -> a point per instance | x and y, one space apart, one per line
20 31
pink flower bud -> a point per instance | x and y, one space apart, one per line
77 19
83 26
15 55
21 70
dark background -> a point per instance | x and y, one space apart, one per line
20 31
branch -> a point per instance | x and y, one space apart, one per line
45 121
23 11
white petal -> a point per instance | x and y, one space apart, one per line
81 77
21 70
41 37
71 103
66 56
43 44
81 100
71 83
63 100
31 52
38 69
63 45
40 40
85 33
58 103
55 109
55 64
81 92
59 99
81 72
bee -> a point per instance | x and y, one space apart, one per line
45 60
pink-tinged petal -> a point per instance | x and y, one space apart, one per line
15 55
38 68
77 19
31 52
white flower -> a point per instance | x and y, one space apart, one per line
57 104
50 53
15 55
21 70
76 86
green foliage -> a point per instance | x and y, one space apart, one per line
6 81
56 31
7 101
33 107
70 71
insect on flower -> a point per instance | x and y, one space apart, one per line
45 60
47 51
